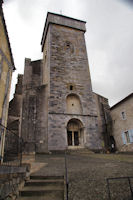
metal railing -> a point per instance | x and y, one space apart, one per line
129 194
11 146
66 176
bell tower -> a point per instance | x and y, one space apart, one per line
71 111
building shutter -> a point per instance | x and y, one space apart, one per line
123 138
131 135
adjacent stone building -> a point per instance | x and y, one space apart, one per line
15 107
104 122
6 69
122 118
59 109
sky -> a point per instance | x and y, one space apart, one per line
109 38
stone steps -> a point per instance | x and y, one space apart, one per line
43 187
74 151
31 198
51 182
37 177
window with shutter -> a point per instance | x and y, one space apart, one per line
123 115
131 135
123 138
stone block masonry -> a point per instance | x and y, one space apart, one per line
59 109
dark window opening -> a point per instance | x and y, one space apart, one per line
76 138
36 68
123 115
69 138
127 136
68 44
71 87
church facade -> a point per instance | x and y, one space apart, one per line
59 109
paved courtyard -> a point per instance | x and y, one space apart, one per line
87 174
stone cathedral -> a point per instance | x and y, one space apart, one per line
58 108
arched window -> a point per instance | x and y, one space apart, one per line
73 104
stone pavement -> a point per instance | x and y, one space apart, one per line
87 174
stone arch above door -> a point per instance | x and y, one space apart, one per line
73 104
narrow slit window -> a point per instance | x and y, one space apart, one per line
123 115
71 87
127 137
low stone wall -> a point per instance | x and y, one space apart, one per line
127 148
11 180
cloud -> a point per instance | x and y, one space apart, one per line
8 1
129 2
110 47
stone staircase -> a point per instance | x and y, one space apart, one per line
43 188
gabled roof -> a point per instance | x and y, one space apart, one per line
120 102
6 33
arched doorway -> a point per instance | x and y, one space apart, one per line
75 133
112 144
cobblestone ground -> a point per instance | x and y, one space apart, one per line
87 174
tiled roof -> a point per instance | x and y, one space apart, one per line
125 99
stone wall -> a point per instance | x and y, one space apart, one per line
12 179
104 120
68 66
33 121
15 106
57 135
6 69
